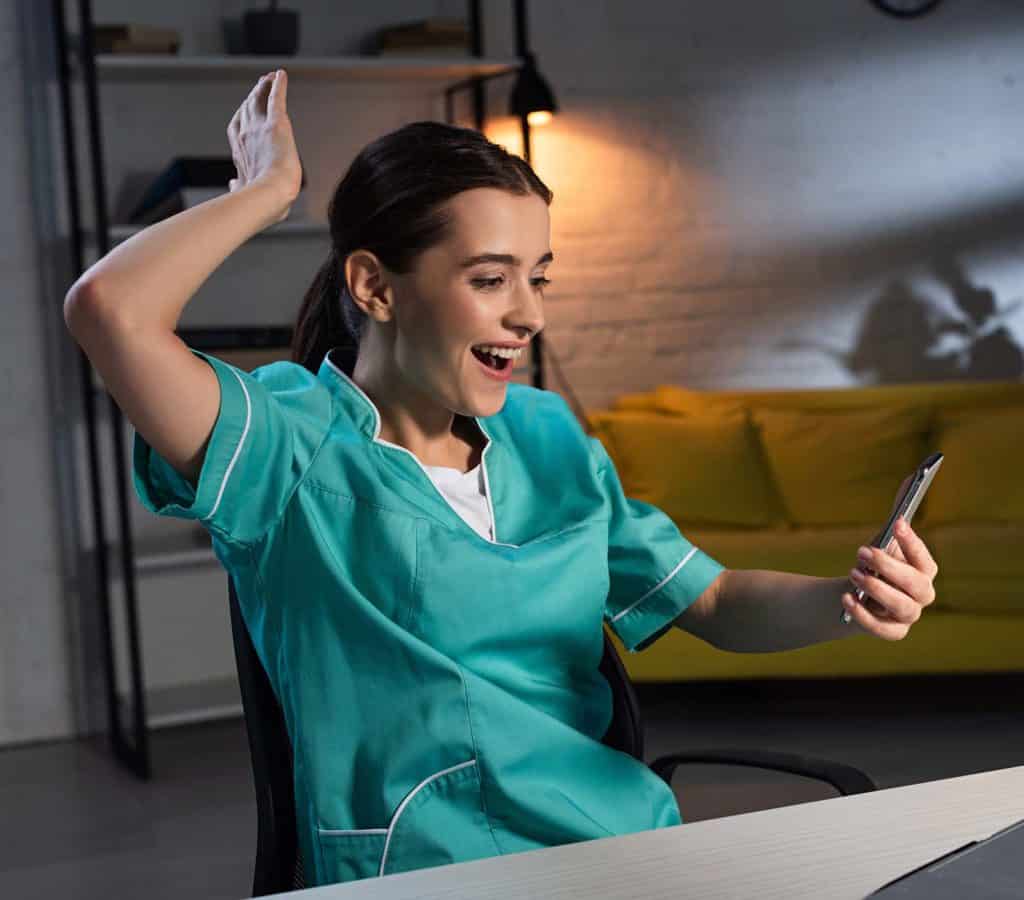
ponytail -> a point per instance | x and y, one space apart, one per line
323 323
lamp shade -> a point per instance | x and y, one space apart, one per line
531 93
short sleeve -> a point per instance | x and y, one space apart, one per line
654 572
270 426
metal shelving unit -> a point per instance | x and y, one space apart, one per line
128 717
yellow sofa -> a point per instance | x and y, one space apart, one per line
796 480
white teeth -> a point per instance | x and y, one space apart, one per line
507 352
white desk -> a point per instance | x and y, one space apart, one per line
839 848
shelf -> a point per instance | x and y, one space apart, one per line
166 554
205 701
292 228
134 67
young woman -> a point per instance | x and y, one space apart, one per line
424 552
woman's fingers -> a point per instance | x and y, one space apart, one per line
901 606
241 123
898 576
276 102
260 98
887 629
916 552
250 108
234 142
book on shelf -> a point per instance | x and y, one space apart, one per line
134 38
428 33
426 28
457 51
136 48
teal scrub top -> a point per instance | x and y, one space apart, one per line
441 689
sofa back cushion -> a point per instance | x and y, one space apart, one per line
838 468
980 479
933 394
701 469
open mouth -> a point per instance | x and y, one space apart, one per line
499 363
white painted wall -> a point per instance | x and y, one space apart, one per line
745 195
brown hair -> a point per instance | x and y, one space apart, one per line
391 202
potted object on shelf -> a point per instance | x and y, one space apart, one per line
271 31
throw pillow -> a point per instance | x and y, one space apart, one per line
842 468
979 479
700 470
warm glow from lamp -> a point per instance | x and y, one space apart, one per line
538 118
506 132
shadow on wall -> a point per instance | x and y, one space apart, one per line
906 338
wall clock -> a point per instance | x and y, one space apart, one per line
905 9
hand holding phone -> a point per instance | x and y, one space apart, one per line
906 505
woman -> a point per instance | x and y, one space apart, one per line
424 552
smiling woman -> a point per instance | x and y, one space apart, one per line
433 637
425 274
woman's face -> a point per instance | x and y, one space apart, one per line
483 285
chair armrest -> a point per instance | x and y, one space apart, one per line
845 779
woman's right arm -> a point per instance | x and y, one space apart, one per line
124 309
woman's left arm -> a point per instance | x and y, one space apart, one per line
759 611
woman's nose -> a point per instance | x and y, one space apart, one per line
529 310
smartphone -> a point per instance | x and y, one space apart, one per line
906 505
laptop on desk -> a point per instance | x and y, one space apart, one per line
989 869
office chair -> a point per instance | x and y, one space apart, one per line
278 866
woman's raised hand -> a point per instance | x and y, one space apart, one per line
262 143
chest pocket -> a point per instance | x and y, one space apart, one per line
440 821
505 610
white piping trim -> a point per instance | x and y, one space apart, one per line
657 587
340 832
377 439
238 449
405 802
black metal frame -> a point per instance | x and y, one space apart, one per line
130 741
278 864
130 747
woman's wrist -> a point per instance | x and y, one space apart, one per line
272 199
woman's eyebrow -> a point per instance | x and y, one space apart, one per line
506 258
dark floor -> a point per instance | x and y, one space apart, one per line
76 826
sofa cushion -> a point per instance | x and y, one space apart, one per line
825 552
704 469
835 468
979 480
933 394
643 401
680 401
981 566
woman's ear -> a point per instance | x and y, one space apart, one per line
367 283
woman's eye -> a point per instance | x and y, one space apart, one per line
497 280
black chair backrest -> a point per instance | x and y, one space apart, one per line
278 867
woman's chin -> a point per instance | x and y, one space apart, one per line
484 406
